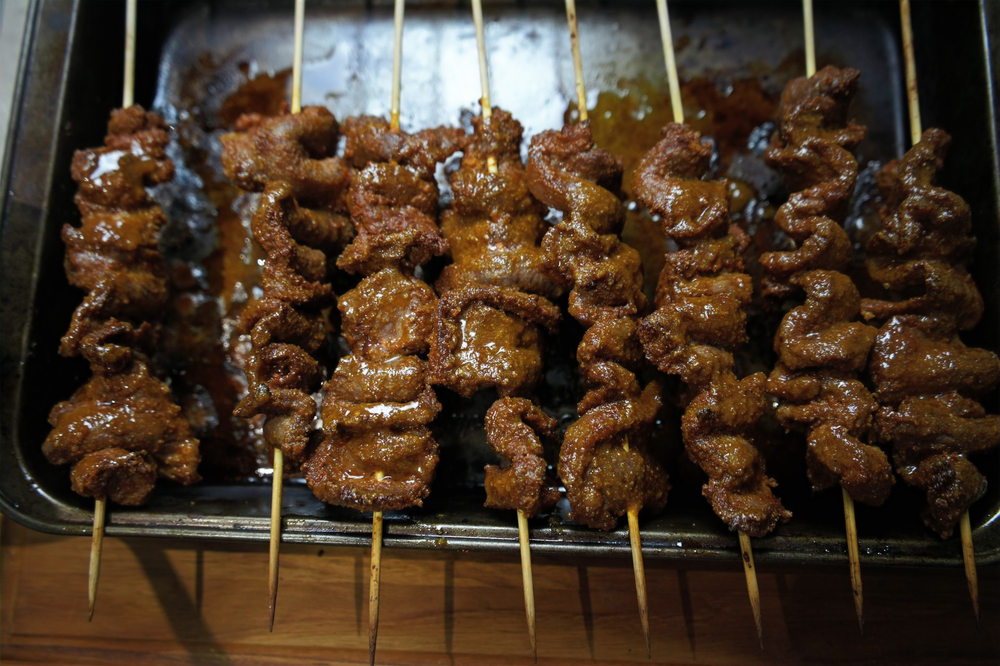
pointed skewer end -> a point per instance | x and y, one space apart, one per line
640 575
751 575
96 549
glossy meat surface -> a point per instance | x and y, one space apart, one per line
494 295
700 318
126 410
604 462
925 378
378 453
822 348
122 427
515 428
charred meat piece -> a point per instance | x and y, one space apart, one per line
121 429
700 319
378 453
604 463
821 346
925 378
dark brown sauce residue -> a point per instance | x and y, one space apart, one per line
205 353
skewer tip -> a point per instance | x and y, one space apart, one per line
527 579
969 558
640 575
751 576
373 593
96 549
277 487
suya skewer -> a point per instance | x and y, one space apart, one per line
121 430
299 223
100 507
514 425
278 467
635 539
97 544
378 453
821 344
685 337
925 378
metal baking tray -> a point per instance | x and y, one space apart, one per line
70 78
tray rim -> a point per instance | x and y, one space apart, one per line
301 530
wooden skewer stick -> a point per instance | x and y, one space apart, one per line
667 38
855 559
810 39
128 91
850 522
527 579
277 478
911 72
275 538
100 505
638 569
397 61
678 109
913 97
484 74
751 574
376 579
96 546
574 36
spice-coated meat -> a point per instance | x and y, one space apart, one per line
121 429
821 346
378 453
515 429
494 295
301 224
700 319
925 378
494 308
604 462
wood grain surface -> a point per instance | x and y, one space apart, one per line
187 602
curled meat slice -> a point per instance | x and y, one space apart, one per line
918 355
605 465
371 139
393 211
293 271
952 484
495 226
124 477
820 333
515 428
129 410
388 314
490 337
299 149
388 470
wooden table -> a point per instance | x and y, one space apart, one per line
188 602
